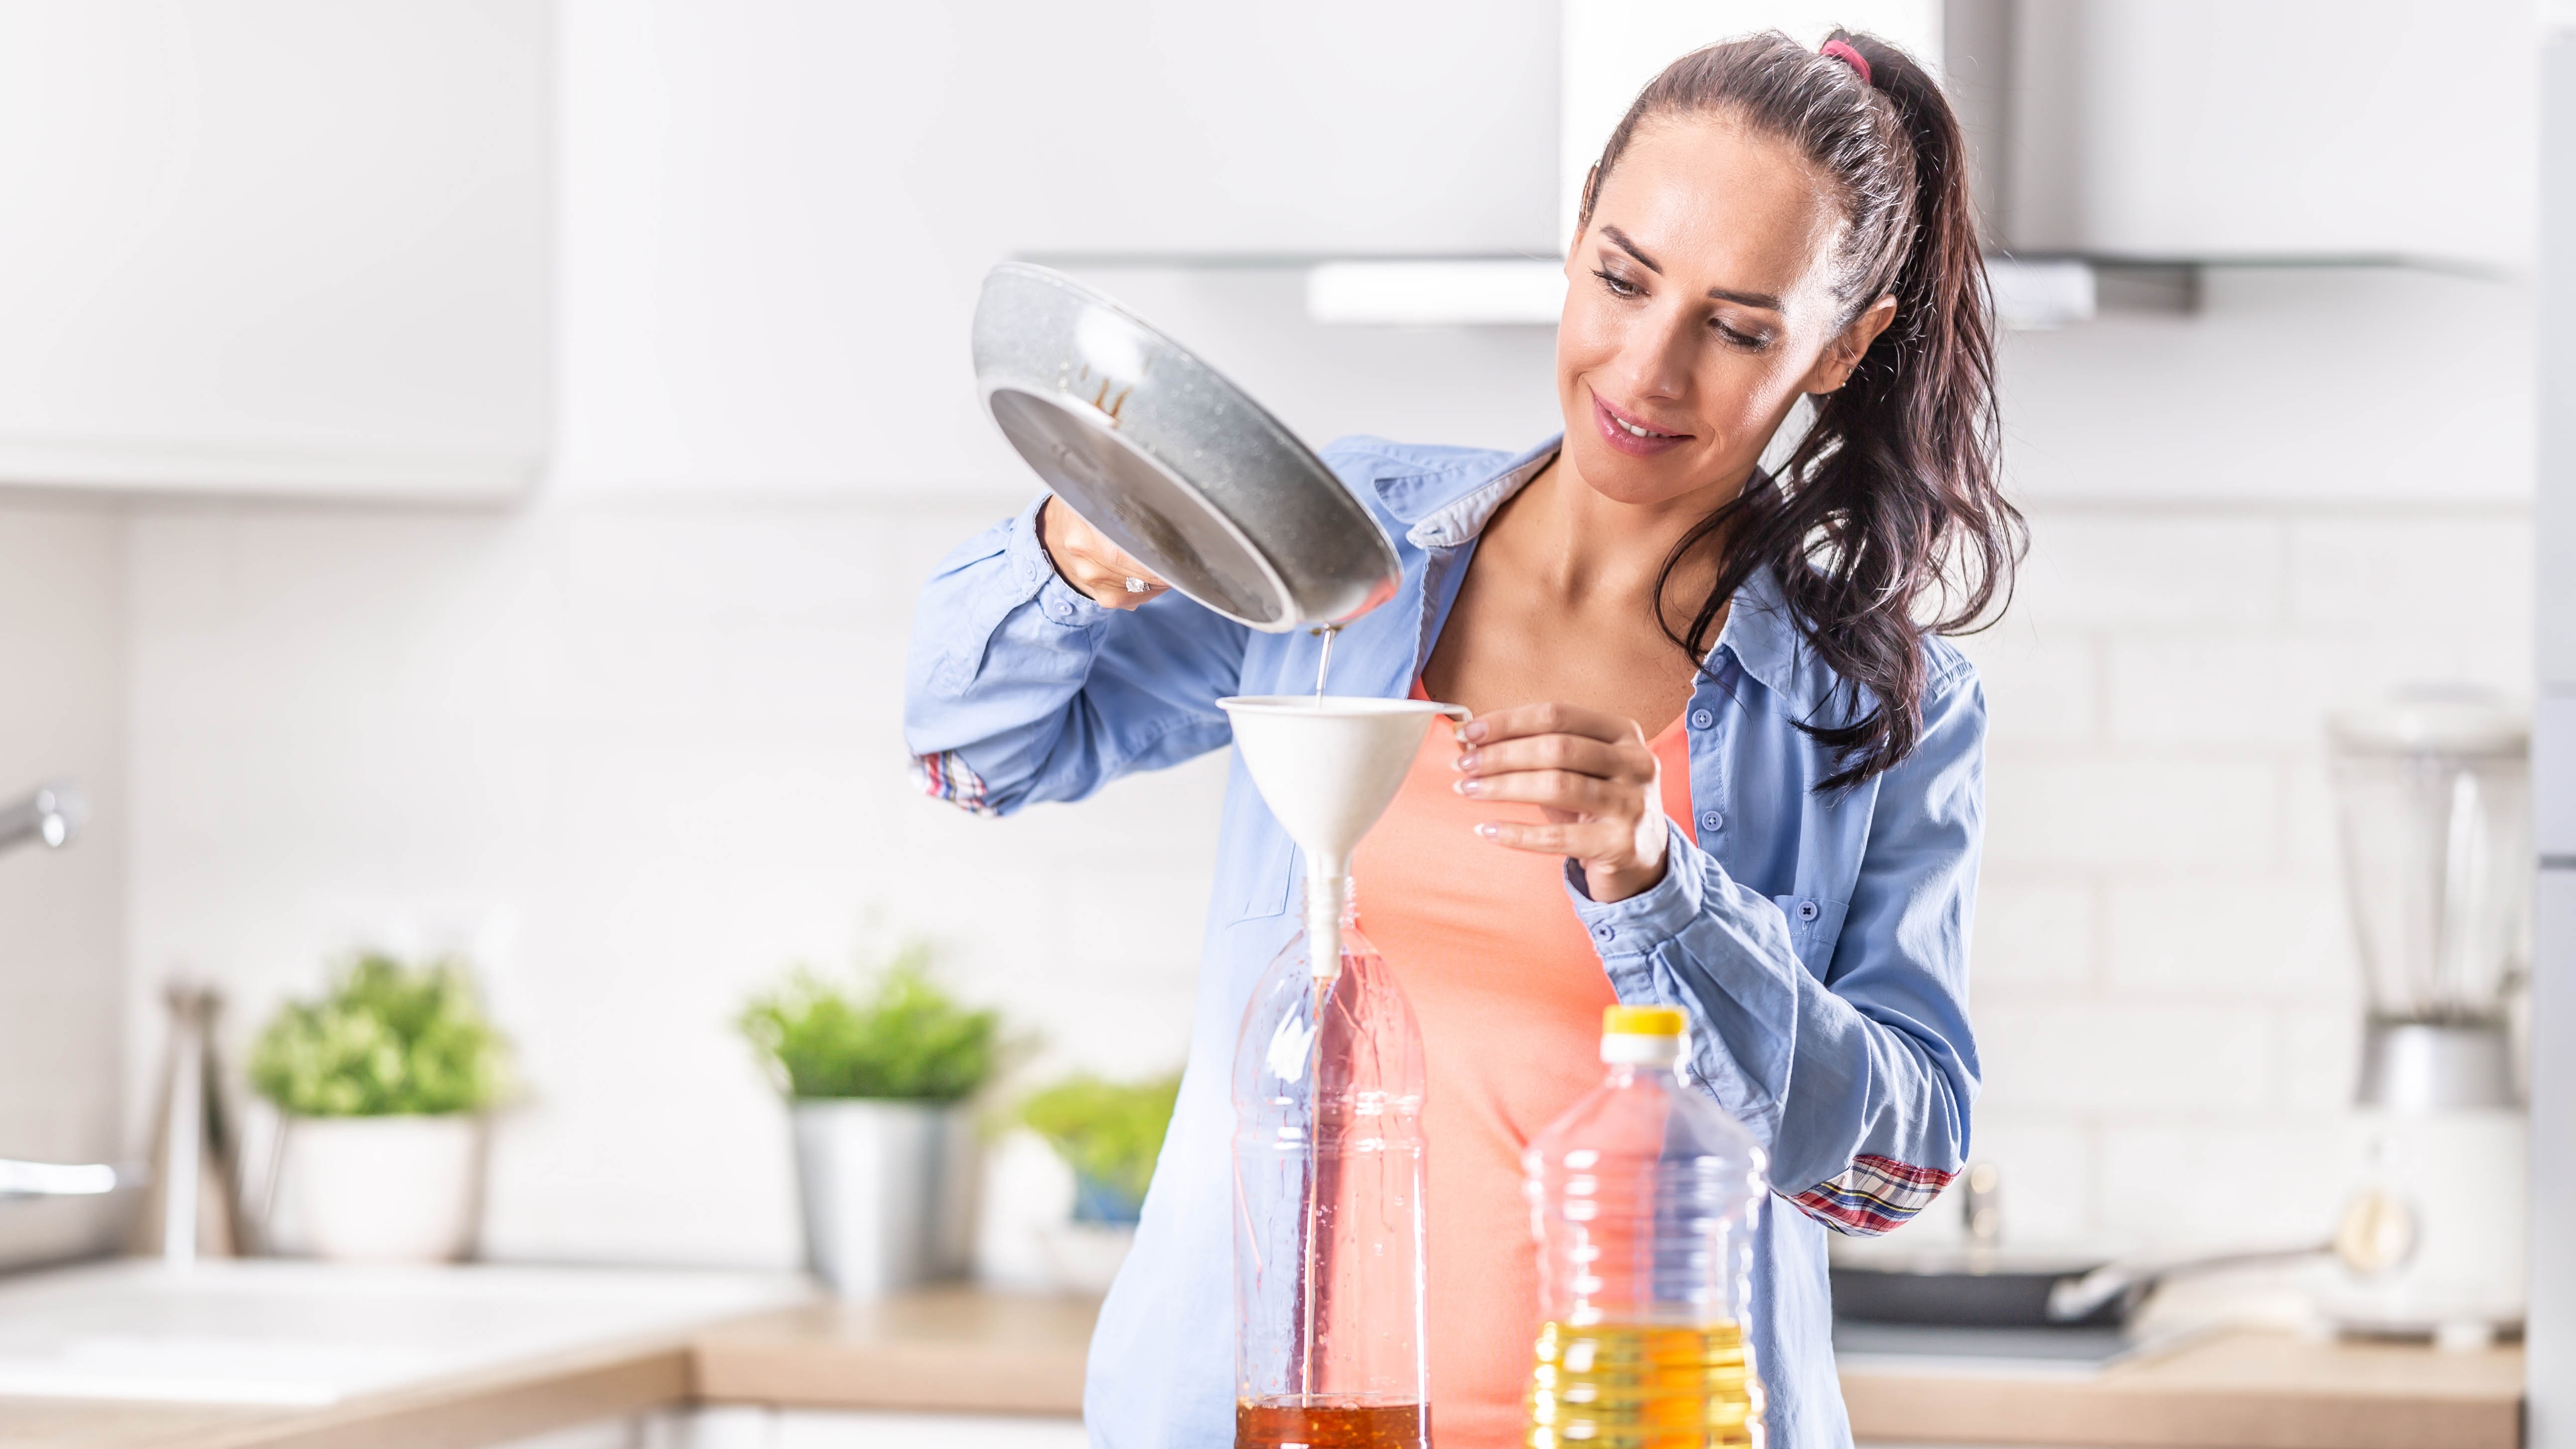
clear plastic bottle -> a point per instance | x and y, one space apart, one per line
1328 1258
1644 1198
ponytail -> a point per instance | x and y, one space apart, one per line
1887 523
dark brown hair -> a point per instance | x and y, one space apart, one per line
1887 523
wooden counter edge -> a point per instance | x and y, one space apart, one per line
2154 1416
931 1376
467 1411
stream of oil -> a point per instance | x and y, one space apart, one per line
1324 665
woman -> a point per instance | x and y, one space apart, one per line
1756 769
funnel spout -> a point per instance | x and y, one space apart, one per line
1327 766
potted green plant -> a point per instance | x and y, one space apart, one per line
1110 1134
876 1071
382 1083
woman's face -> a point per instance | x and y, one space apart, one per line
1698 308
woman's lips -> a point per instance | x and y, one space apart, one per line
1619 430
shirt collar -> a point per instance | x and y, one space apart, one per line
1764 638
1458 521
1448 511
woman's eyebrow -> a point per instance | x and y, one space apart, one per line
1763 300
1620 240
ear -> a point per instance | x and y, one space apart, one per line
1834 367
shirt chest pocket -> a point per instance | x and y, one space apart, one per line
1272 881
1815 924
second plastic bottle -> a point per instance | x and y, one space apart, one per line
1645 1197
1328 1258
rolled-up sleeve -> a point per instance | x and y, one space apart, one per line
1859 1080
1019 688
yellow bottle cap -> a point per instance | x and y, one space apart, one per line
1641 1021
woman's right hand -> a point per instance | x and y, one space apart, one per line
1085 558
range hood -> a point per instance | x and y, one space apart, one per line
2132 139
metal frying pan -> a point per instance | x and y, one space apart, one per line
1175 464
1981 1290
1980 1287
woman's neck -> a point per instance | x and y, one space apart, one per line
1580 545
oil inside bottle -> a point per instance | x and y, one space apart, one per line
1332 1423
1626 1386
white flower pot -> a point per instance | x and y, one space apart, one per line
383 1189
887 1190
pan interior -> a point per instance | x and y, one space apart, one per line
1144 508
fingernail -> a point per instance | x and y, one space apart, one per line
1467 787
1466 760
1472 732
1490 832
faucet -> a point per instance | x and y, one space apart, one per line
19 1180
51 814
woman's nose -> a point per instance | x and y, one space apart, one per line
1655 358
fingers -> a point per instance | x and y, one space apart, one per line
1566 790
1525 720
1584 840
1578 753
1591 775
1617 861
1105 573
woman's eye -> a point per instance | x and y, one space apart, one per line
1738 336
1619 286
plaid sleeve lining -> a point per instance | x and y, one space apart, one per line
1872 1196
947 776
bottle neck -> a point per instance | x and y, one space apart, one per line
1633 1054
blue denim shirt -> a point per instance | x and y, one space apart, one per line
1817 942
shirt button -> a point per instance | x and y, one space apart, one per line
1712 821
1701 719
1605 933
1808 910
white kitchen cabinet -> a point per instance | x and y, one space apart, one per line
2274 130
275 246
1181 127
748 1426
1612 48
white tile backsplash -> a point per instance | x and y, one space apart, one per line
635 744
2035 934
2100 809
2124 1056
639 758
2151 566
62 984
2236 1179
640 755
2200 1039
2373 574
2230 935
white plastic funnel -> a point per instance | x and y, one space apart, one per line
1328 765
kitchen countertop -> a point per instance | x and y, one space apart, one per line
967 1349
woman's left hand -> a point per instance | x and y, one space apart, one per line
1594 780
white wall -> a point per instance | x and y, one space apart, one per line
636 758
635 745
2240 520
62 699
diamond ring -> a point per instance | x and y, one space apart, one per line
1135 585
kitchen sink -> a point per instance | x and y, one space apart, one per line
303 1333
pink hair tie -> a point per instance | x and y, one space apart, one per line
1842 50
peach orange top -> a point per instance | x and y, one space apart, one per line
1509 992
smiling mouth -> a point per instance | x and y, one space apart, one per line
1620 420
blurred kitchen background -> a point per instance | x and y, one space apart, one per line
470 466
